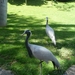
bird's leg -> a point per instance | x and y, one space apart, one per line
40 67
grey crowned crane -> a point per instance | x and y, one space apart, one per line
50 32
40 52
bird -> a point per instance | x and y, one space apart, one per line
40 52
50 32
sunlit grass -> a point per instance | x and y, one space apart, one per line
13 54
55 14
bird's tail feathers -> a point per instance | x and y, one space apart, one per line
54 41
56 64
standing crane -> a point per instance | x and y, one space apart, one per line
50 32
40 52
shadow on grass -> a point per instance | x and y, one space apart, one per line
66 6
66 0
36 3
29 2
16 2
14 53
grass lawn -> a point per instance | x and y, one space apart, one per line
13 54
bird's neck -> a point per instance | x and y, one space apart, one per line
47 22
27 46
26 41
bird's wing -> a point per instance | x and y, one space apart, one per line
49 31
42 53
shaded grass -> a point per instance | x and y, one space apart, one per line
13 54
29 2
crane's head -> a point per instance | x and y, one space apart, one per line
28 32
46 18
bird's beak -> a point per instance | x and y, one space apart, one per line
23 33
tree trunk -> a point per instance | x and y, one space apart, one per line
3 12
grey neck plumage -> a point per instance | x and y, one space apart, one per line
27 46
47 22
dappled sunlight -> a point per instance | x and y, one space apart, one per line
70 39
65 28
53 12
65 53
13 53
67 39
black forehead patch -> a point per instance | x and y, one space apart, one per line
27 31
